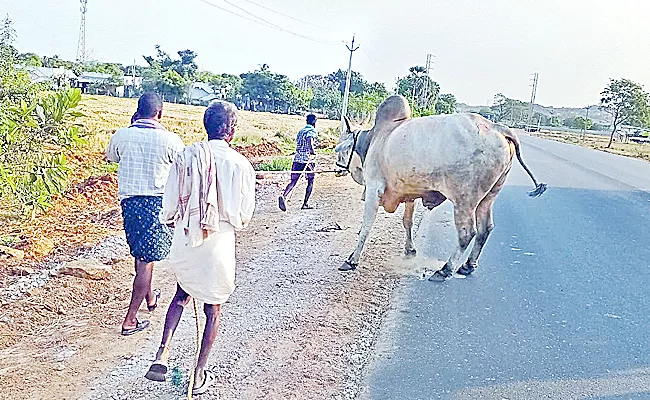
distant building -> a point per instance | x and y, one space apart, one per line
99 83
201 93
59 77
131 87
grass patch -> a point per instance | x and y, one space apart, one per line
8 240
276 164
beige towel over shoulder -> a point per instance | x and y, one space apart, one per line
208 199
190 200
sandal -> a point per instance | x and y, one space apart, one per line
209 377
140 326
157 371
156 292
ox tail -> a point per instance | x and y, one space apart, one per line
512 137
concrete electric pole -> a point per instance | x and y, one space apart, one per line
348 78
532 99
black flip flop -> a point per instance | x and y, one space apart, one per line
209 378
157 371
156 292
281 203
140 326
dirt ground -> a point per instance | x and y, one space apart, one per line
295 328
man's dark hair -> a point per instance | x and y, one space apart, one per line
311 119
219 119
149 104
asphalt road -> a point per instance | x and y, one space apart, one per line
560 305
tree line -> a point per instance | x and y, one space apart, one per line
623 99
173 75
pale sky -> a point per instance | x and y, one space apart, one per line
480 47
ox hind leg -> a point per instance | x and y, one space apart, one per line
407 221
485 225
371 204
465 220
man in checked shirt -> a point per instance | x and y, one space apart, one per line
144 152
305 145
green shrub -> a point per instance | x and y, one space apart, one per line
35 135
277 164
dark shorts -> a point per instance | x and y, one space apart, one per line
148 239
298 166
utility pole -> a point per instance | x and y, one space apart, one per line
81 45
348 78
133 80
532 98
582 128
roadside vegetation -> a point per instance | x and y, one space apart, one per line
599 142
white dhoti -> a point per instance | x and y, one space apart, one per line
205 272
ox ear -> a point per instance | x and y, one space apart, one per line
344 145
347 123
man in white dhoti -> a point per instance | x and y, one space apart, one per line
210 195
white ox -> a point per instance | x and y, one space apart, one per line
461 157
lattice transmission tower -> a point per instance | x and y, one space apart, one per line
427 73
81 45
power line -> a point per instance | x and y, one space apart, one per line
264 22
289 16
278 26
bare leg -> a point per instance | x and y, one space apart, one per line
141 290
407 221
290 187
281 200
174 313
310 187
212 314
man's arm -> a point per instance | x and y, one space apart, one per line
248 196
310 145
112 153
169 210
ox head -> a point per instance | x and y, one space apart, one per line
349 159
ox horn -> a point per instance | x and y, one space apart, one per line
347 123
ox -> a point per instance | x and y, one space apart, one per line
461 157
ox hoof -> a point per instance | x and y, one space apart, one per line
438 277
441 275
466 270
410 253
346 266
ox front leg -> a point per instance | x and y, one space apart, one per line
369 214
466 227
407 220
